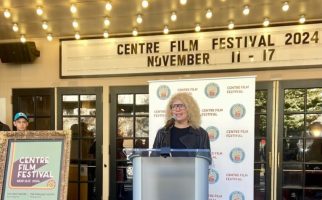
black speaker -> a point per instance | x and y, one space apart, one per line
18 52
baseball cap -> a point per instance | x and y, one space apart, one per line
20 115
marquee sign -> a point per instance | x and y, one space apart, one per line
273 47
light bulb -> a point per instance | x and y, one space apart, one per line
173 16
23 38
49 37
285 6
73 8
75 23
165 29
197 28
145 3
231 25
246 10
15 27
266 22
107 22
105 34
139 19
77 36
183 2
209 14
39 11
135 32
44 25
108 6
302 19
7 13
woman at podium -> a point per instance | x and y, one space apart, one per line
182 129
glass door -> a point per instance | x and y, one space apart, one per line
300 140
38 104
129 129
80 110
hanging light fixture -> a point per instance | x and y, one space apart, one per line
107 21
23 39
108 6
139 19
197 28
285 6
266 22
44 25
15 27
302 19
165 29
183 2
73 8
209 14
231 25
39 10
145 3
7 13
105 34
173 16
246 10
77 36
135 32
49 37
75 23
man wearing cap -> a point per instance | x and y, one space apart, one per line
20 121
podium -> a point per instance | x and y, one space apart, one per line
181 175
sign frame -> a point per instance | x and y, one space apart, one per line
10 138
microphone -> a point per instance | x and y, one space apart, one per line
170 122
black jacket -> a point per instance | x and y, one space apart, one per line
4 127
197 139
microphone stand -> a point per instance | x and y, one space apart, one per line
165 150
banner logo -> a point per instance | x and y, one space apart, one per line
212 90
213 176
237 155
236 195
163 92
213 133
237 111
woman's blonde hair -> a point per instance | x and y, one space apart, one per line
192 108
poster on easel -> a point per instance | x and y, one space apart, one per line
34 165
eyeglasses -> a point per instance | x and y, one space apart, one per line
178 106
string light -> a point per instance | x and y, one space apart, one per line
108 6
231 25
266 22
7 13
23 39
165 29
145 3
39 11
49 37
246 10
15 27
285 6
302 19
135 32
73 8
173 16
139 19
197 28
209 14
